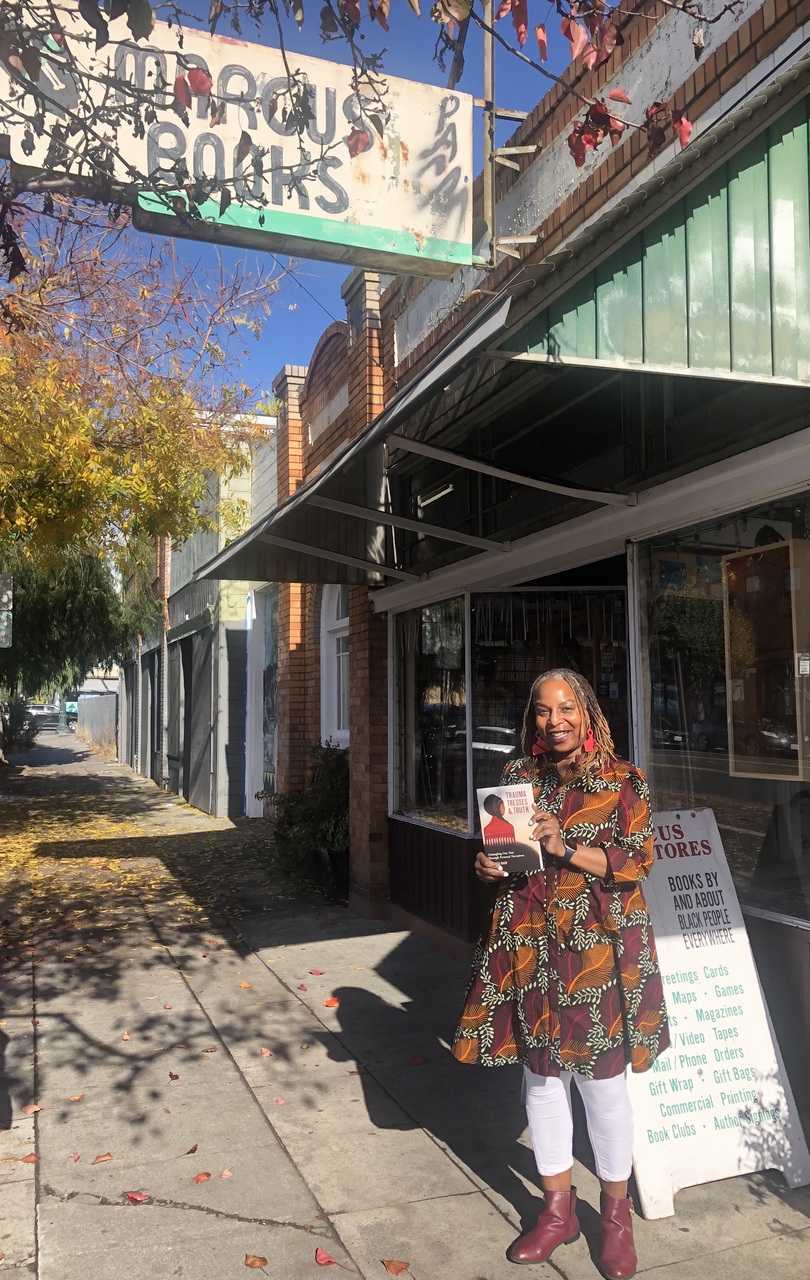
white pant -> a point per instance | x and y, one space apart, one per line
610 1123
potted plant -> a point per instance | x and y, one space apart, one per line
312 829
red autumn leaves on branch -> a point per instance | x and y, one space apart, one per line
593 36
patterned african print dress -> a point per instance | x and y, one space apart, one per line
565 976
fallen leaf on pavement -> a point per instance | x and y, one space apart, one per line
102 1159
416 1060
126 1036
205 955
331 1003
318 973
77 1097
324 1260
173 1076
266 1053
212 1049
201 1177
395 1268
226 1173
280 1102
31 1109
252 1260
137 1197
29 1159
179 1046
300 987
191 1150
245 986
167 1006
76 1156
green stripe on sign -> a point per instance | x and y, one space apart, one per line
277 223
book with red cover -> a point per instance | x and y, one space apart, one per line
506 815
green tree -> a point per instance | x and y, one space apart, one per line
68 618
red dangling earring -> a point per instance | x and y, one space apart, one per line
539 746
589 743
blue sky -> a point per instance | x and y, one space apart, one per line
310 299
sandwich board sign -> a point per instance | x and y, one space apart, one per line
244 145
718 1103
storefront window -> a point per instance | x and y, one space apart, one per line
433 711
515 636
512 637
727 616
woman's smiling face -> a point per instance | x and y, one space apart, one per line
559 721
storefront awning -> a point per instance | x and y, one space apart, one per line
601 313
303 541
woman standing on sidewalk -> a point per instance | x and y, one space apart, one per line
565 979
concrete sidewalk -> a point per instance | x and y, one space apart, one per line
164 1006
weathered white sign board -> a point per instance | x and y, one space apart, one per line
718 1103
380 173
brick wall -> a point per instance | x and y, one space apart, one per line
348 353
368 754
292 685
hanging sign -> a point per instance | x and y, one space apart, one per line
216 139
718 1103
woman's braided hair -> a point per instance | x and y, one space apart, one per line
585 698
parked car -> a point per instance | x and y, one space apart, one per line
777 738
765 736
666 733
489 739
45 714
711 733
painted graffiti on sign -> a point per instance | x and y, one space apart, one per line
234 149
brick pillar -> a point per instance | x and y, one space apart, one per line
368 755
293 738
368 634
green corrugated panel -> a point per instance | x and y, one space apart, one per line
619 332
572 322
664 290
790 245
707 275
533 337
720 283
749 261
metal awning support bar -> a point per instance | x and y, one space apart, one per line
321 553
547 486
403 522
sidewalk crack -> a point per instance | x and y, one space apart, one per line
159 1203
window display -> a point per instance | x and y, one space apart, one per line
512 637
433 714
726 616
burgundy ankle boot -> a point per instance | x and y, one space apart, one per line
618 1256
557 1224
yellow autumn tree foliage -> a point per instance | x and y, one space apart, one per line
118 399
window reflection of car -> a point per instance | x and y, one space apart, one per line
765 736
777 737
665 733
711 733
490 739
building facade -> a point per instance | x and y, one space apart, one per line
596 455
